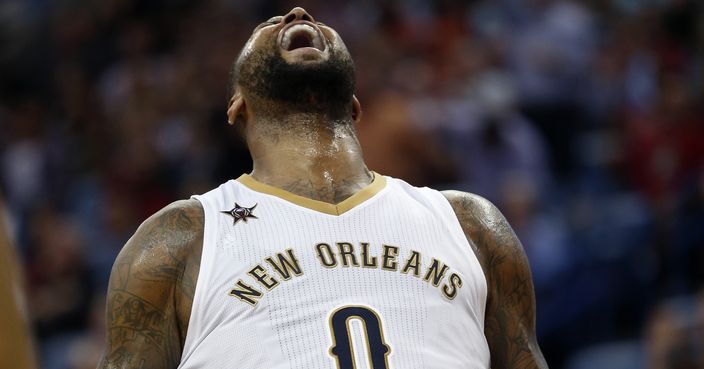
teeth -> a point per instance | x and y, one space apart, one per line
286 40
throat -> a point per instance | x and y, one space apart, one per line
310 158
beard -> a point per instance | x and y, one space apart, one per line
321 88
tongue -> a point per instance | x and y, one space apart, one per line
299 41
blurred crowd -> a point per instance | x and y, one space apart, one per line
582 120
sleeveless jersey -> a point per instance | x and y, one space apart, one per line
384 279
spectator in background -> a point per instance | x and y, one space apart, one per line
549 53
396 146
541 233
666 146
675 334
686 257
496 142
24 161
62 289
86 349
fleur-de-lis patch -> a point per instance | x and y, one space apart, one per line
240 213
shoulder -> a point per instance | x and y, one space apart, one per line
489 233
173 232
179 222
473 210
181 214
480 219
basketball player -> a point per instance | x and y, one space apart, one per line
312 260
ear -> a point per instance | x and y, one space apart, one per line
236 109
356 110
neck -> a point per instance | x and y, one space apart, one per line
309 156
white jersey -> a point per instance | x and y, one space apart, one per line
384 279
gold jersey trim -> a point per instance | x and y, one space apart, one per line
346 205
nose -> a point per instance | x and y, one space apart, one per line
298 13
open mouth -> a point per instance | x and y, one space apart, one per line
301 35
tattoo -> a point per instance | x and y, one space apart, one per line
510 312
151 290
134 322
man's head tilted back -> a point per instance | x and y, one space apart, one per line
293 65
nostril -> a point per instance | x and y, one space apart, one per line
307 17
290 18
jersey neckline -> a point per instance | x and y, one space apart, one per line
340 208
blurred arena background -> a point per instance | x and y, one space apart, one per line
582 120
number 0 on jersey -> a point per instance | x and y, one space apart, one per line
342 349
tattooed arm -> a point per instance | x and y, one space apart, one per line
509 323
151 290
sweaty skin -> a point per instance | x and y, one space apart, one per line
154 278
